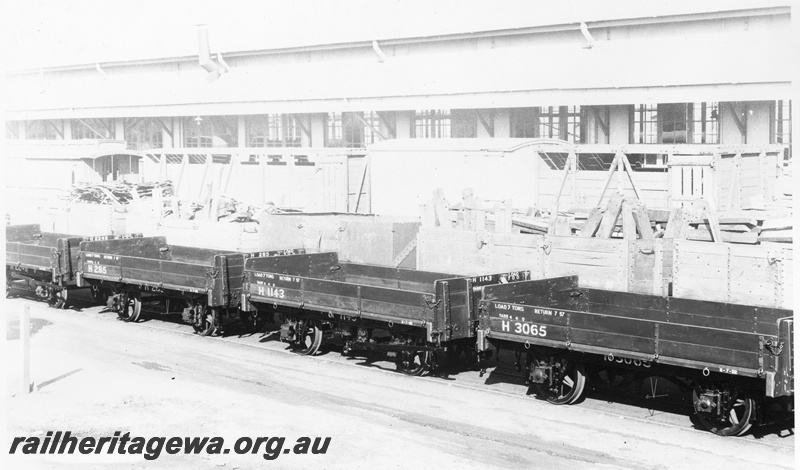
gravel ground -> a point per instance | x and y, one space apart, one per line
96 375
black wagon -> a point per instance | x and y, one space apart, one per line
206 282
408 315
46 261
733 357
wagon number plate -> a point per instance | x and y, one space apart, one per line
97 269
523 328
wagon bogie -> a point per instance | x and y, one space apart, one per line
729 355
724 409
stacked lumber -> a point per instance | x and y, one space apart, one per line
750 227
621 218
471 213
777 230
118 192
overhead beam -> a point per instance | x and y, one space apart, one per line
369 124
164 126
389 125
487 126
599 118
99 135
742 125
302 125
60 132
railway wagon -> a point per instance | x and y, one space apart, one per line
408 315
734 358
207 282
46 261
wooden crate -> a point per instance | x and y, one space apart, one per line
367 239
83 219
613 264
725 272
471 252
199 233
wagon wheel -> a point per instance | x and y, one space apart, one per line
569 379
736 413
205 319
413 362
129 307
309 338
56 298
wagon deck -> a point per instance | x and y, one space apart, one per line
439 302
51 254
46 259
150 264
208 280
405 313
713 338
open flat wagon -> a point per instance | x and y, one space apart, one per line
408 315
46 261
207 282
733 357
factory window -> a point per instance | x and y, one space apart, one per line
144 133
44 130
464 123
93 129
12 130
675 123
644 124
572 123
524 122
272 130
551 122
373 131
674 119
210 131
782 126
548 122
433 123
705 123
351 129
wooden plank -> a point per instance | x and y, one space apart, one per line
729 237
675 223
729 219
610 216
539 225
783 223
628 224
440 208
739 228
517 240
592 223
562 227
585 258
642 220
582 244
777 236
689 246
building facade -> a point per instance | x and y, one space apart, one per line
684 72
